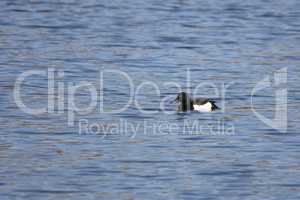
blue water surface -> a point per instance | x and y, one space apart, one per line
232 43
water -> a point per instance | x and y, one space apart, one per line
229 43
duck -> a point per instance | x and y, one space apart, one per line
186 103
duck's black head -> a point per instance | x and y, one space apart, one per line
185 102
182 96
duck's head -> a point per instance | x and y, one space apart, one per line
185 103
182 97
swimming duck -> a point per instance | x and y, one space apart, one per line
199 104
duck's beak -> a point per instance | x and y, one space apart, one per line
175 100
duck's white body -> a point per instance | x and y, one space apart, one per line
207 107
200 104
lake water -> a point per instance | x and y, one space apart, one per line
95 155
